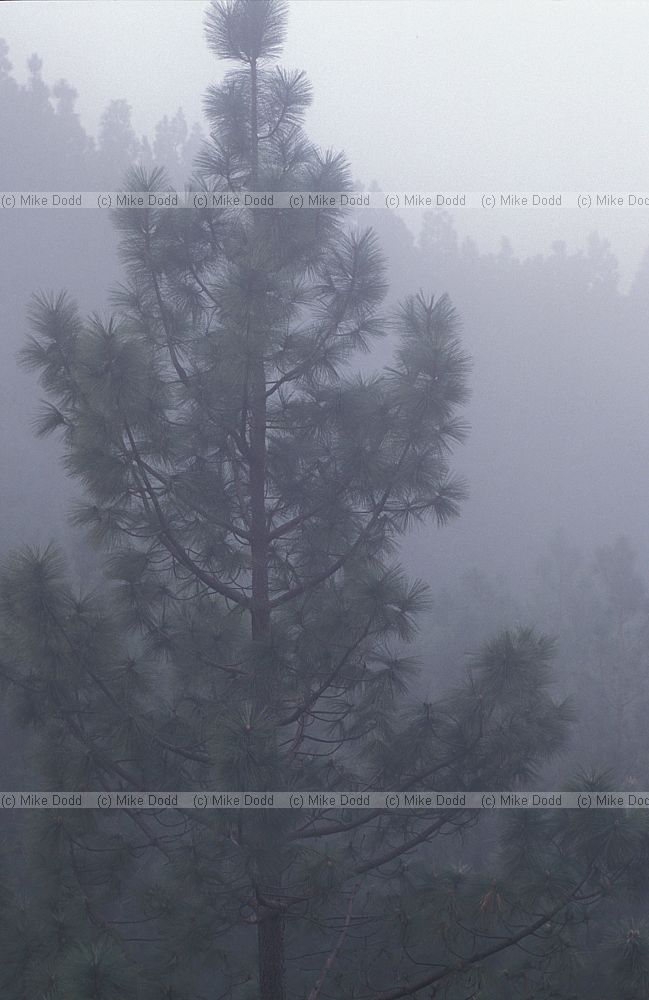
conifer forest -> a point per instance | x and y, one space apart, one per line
324 551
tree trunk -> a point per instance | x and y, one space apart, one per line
270 945
270 929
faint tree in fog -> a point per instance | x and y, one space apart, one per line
599 611
170 147
118 146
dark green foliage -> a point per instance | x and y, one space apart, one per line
236 29
252 486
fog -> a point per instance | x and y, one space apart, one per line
506 96
551 538
424 97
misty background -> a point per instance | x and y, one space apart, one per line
421 97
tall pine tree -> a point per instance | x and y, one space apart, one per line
251 486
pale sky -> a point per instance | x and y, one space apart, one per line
421 94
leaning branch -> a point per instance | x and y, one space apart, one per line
171 543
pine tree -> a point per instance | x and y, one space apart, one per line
251 487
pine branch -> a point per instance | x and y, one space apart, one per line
479 956
338 564
175 548
312 698
303 833
331 958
